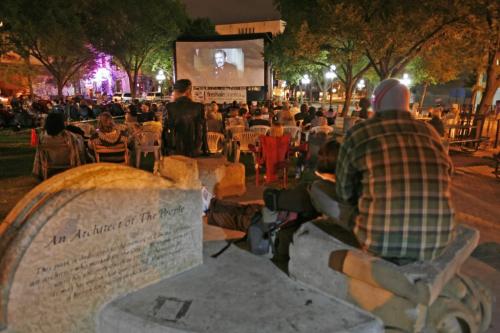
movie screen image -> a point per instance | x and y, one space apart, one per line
221 63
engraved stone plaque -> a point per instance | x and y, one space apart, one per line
88 235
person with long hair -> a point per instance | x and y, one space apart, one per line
55 134
107 134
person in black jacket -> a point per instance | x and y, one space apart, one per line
185 123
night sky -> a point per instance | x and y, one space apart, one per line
232 11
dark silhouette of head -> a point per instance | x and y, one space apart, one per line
54 123
327 157
182 85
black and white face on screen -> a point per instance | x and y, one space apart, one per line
237 63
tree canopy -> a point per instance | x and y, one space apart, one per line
437 39
52 31
132 31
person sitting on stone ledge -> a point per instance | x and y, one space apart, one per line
394 169
56 134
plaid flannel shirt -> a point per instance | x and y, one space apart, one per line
394 168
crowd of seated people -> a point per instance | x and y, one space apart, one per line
219 118
24 112
77 148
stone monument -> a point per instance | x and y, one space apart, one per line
87 236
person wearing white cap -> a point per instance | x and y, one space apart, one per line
394 169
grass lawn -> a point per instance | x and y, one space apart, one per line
16 163
16 154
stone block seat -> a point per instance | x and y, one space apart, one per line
235 292
220 177
421 296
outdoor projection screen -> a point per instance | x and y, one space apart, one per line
236 63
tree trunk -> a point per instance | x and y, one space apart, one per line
134 89
349 88
423 95
76 84
492 83
131 83
475 90
30 79
60 86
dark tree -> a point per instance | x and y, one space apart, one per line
52 31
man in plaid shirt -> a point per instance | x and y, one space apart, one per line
396 171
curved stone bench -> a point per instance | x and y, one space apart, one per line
400 295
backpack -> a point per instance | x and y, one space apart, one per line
260 234
231 215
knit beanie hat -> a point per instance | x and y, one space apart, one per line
391 94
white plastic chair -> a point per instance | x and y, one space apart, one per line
148 142
260 129
294 132
321 129
235 129
245 139
214 142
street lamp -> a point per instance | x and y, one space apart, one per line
361 84
160 77
283 86
331 75
406 80
305 80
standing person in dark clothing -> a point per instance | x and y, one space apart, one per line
185 125
436 121
364 104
